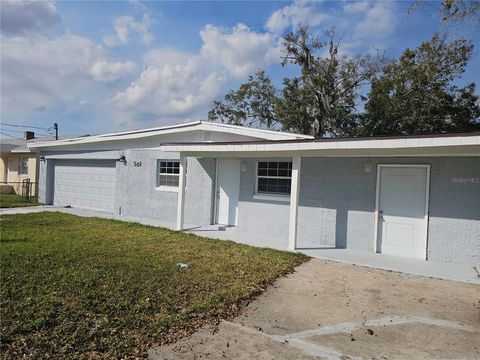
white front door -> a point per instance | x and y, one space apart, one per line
228 188
402 211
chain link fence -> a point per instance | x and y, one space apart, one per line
26 189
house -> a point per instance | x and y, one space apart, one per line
411 196
17 164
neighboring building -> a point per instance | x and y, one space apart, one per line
416 197
18 163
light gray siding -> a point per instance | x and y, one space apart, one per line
137 196
337 203
267 219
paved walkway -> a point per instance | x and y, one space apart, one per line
432 269
338 311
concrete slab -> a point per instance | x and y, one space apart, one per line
316 311
432 269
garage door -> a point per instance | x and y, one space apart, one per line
84 184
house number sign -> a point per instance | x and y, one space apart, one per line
137 163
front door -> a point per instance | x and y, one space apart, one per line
402 211
228 187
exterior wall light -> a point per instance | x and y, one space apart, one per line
122 159
367 167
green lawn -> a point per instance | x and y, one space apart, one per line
9 200
74 287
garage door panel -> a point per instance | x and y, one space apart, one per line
87 184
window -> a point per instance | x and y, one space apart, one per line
23 166
274 177
168 173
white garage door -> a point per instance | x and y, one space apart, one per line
86 184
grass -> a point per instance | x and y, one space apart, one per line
75 287
9 201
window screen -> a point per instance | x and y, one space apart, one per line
168 173
23 166
274 177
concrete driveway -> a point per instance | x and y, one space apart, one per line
331 310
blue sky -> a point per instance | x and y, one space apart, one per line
108 65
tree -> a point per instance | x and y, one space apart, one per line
329 83
253 104
452 10
416 94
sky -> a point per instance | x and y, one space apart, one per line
106 66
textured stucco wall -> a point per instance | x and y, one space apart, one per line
454 224
337 203
137 196
337 200
264 218
45 181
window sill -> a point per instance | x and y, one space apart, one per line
272 197
167 188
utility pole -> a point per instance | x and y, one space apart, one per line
55 127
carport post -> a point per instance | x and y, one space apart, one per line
294 195
181 192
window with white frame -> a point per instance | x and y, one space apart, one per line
23 166
168 173
274 177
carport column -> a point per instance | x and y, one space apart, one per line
294 195
181 192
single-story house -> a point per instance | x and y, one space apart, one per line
17 164
409 196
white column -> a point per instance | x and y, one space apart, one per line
181 193
294 195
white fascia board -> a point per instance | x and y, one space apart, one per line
248 131
95 155
330 145
441 145
191 126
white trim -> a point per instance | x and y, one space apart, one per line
181 194
194 125
272 197
167 188
427 200
294 198
433 146
216 194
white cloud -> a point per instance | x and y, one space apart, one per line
241 51
298 13
106 70
378 22
23 17
356 7
179 84
125 26
37 71
170 90
166 56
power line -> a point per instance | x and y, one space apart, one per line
14 137
27 126
22 132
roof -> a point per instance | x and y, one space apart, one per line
464 143
190 126
13 146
